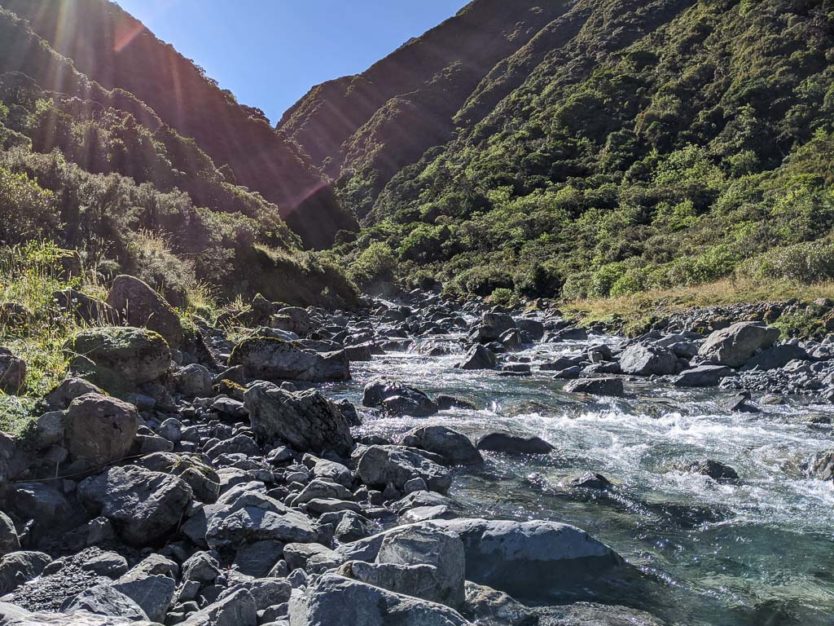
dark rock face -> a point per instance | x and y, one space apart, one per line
714 469
512 444
275 360
735 345
398 399
145 506
140 306
454 447
306 420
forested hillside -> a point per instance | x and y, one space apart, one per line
626 145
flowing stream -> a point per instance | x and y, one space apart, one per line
758 552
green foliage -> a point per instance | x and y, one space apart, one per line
374 266
804 263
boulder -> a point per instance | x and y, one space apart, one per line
12 373
17 568
532 328
454 447
98 429
9 540
68 390
775 357
536 561
398 399
305 421
821 466
714 469
380 465
735 345
236 609
493 325
255 517
703 376
514 444
293 319
642 360
105 600
14 461
597 386
337 600
122 358
140 306
144 506
202 478
194 381
479 357
271 359
11 615
491 607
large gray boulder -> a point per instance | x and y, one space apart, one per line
9 540
202 478
17 568
479 357
122 358
144 506
11 615
735 345
607 386
99 429
703 376
642 360
454 447
139 305
337 600
776 356
255 517
271 359
514 444
493 325
380 465
305 421
537 561
236 609
104 600
395 398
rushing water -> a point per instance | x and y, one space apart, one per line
757 552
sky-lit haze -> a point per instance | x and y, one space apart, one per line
270 52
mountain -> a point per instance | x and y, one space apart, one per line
589 148
110 47
107 169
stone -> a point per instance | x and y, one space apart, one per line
144 506
13 459
775 357
44 504
267 592
821 466
380 465
454 447
425 545
100 429
203 479
532 328
105 600
258 558
735 345
490 607
153 593
597 386
271 359
703 376
313 558
255 517
11 615
641 360
123 358
305 421
335 599
194 381
17 568
9 540
201 567
714 469
68 390
514 444
493 325
333 472
536 561
397 398
479 357
12 373
236 609
590 614
140 306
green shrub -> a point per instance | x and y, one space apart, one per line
375 265
805 263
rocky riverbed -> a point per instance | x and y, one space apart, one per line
420 462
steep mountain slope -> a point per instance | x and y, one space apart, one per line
365 128
115 50
628 145
98 171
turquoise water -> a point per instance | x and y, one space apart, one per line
758 552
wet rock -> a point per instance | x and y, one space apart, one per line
537 561
17 568
12 372
306 420
597 386
490 607
703 376
140 306
493 325
741 404
776 357
562 363
360 352
714 469
735 345
337 600
270 359
382 465
398 399
313 558
821 466
144 506
454 447
512 339
514 444
642 360
479 357
589 480
100 429
447 403
122 358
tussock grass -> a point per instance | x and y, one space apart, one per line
634 312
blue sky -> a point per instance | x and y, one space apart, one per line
270 52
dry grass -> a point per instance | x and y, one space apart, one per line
635 310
